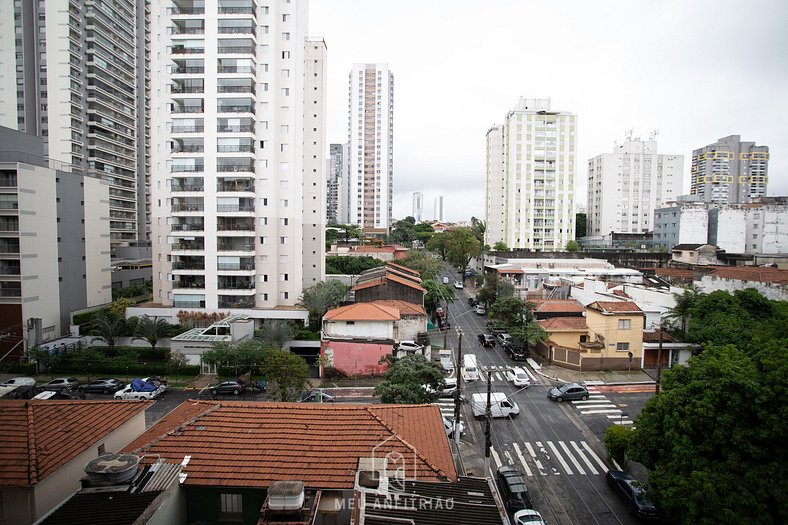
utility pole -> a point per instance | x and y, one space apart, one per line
488 414
458 392
659 359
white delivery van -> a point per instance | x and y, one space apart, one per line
470 372
447 363
499 405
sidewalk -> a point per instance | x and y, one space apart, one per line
603 377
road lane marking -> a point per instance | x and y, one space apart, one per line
543 450
596 405
596 458
559 457
585 459
522 459
536 461
609 411
572 458
495 457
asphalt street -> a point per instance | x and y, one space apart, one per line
553 444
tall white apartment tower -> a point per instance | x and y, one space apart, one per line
531 168
418 206
627 185
371 147
438 208
237 155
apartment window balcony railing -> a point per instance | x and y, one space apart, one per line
235 89
188 148
10 292
187 30
234 187
188 246
235 168
180 50
235 226
181 303
188 187
235 266
9 248
188 109
188 10
189 227
9 205
236 148
10 269
236 302
9 226
236 10
235 109
188 207
236 129
187 169
188 129
189 284
234 247
8 180
181 265
235 286
237 31
180 89
235 69
234 207
190 70
235 50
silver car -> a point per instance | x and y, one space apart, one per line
62 384
568 392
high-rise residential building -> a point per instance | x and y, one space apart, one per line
143 120
371 147
730 171
54 256
76 85
336 184
627 185
531 169
418 206
438 208
237 159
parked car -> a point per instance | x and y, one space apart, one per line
103 386
449 388
19 381
480 309
146 388
472 302
445 280
448 424
518 376
511 484
409 346
468 273
458 285
633 493
568 392
503 339
62 384
487 340
316 396
515 352
233 386
528 517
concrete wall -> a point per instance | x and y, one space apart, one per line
775 292
409 327
728 228
98 270
354 358
360 329
607 327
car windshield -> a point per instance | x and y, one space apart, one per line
521 375
529 519
564 388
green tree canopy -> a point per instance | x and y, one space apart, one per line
438 243
493 288
479 228
341 265
511 311
682 309
152 329
346 232
436 292
714 439
572 246
463 245
287 372
404 380
108 327
428 266
276 332
500 246
246 356
529 334
402 231
318 299
423 232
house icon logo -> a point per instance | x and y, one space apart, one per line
399 466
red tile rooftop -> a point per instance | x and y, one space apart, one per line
615 306
252 444
557 305
564 323
39 437
752 273
363 312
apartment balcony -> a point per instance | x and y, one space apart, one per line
234 50
246 185
188 8
229 282
178 207
236 69
243 264
189 283
235 108
232 301
10 204
241 128
188 129
234 208
189 246
188 148
10 268
237 30
237 8
235 247
198 302
178 168
188 70
8 179
197 226
188 109
11 290
182 185
185 50
189 264
9 224
180 90
235 168
236 89
235 148
234 225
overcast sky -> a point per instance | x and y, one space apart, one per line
694 70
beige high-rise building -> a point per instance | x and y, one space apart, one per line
730 171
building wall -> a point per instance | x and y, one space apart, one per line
607 327
390 290
371 146
98 268
18 503
495 187
337 185
410 326
681 223
729 171
775 292
767 229
356 359
314 209
8 111
61 484
360 329
728 228
567 339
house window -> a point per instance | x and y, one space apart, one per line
622 347
623 324
350 322
230 504
101 449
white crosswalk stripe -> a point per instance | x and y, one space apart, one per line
598 404
446 408
550 457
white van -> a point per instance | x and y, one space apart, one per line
470 372
499 405
447 363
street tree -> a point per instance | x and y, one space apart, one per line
572 246
530 334
436 292
682 309
402 231
479 228
406 378
243 357
319 298
340 265
423 232
511 311
428 266
500 246
276 332
438 243
108 327
347 232
151 329
715 437
287 373
462 247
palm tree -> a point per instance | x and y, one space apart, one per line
319 298
108 327
151 329
681 311
276 332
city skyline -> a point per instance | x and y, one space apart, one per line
656 89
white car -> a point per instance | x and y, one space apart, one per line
130 393
518 376
458 285
527 517
409 346
448 424
20 381
445 280
480 309
448 390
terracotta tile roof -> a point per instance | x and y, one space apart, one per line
621 293
557 305
404 269
390 276
39 437
511 270
673 272
250 444
373 311
394 271
404 307
652 336
615 306
563 323
369 283
752 273
406 282
375 249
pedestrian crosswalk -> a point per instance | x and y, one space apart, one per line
598 404
550 458
498 373
446 407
